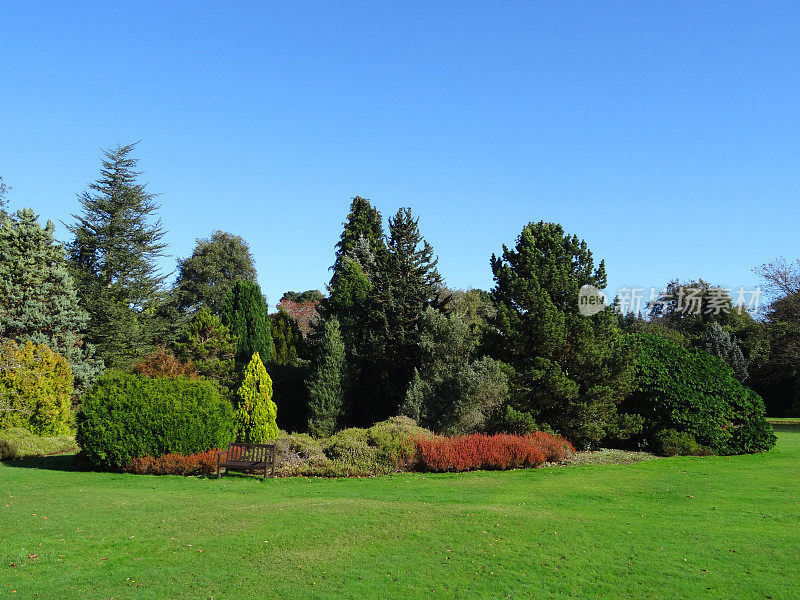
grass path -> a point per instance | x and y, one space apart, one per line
716 527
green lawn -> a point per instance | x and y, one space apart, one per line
717 527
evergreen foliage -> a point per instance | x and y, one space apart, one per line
451 392
210 347
286 338
245 315
125 416
35 389
114 253
214 266
326 382
720 343
363 221
571 372
255 415
405 282
38 298
302 297
689 390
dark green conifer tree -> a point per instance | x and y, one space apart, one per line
286 338
326 382
245 314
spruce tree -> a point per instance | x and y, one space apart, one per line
720 343
326 383
215 264
245 314
38 299
406 283
570 370
114 253
255 417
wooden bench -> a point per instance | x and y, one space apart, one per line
247 457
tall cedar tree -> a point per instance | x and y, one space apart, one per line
38 299
326 383
286 338
571 373
215 264
245 315
114 252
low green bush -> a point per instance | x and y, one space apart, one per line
691 391
126 416
19 443
670 442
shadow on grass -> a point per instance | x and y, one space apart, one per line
72 461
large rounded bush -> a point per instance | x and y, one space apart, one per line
691 391
126 416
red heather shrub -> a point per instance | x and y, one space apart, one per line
491 452
203 463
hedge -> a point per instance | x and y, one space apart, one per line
126 416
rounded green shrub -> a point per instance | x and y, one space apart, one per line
689 390
125 416
35 389
669 442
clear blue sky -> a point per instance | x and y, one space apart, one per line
667 134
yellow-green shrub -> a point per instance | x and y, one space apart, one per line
35 389
256 413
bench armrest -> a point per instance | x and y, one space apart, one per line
219 455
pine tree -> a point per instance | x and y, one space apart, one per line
326 383
215 264
113 254
209 345
255 417
245 314
286 338
38 299
570 372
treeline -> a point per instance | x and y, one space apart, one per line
388 337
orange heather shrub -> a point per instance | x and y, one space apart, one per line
163 364
491 452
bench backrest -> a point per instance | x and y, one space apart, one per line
238 451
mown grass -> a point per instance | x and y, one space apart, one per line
712 527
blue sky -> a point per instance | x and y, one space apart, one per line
665 134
